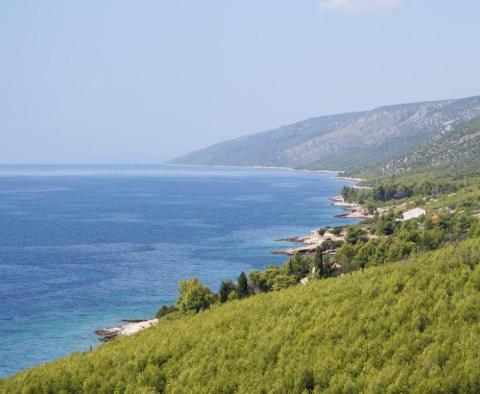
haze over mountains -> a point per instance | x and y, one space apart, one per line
345 141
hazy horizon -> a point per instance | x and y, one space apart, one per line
166 161
141 83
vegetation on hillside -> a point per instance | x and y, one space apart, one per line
404 327
381 240
391 305
387 190
457 148
404 316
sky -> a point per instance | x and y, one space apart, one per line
143 81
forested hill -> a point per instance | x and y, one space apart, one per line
455 148
410 327
343 142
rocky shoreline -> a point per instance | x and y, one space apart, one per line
315 239
311 241
356 210
130 327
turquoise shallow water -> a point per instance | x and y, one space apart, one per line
82 247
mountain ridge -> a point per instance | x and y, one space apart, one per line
344 141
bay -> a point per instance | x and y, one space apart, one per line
82 247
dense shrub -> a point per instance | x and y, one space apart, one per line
193 296
164 310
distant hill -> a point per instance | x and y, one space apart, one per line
454 148
345 141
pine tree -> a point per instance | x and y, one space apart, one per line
319 268
290 270
242 287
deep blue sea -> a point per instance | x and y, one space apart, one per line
82 247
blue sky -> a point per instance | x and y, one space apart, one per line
144 81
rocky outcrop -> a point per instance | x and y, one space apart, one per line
131 327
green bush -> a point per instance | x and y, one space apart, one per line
226 288
337 230
165 310
193 296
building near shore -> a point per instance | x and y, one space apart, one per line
413 214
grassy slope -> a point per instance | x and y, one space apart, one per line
409 326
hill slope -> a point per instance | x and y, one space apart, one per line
455 147
341 141
413 326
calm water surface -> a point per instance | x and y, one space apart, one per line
82 247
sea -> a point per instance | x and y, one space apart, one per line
84 246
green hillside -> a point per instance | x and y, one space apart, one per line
410 326
457 148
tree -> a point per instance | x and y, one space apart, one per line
290 270
193 296
365 254
330 244
337 230
461 225
226 288
399 250
445 222
270 273
371 206
298 266
345 255
319 266
431 239
242 287
355 234
283 281
258 281
165 310
386 224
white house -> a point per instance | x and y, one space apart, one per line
413 214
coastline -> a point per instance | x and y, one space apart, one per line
314 239
130 327
311 242
348 178
337 172
254 167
